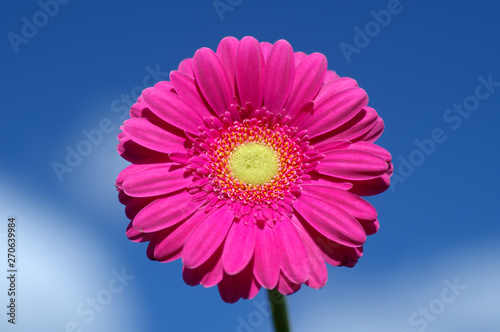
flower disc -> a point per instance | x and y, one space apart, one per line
253 163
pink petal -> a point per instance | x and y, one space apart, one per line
330 75
165 212
165 86
138 154
131 169
137 109
309 76
186 88
351 203
390 171
186 67
212 80
334 253
287 287
351 256
145 133
228 289
319 274
238 247
242 285
373 134
136 204
335 110
299 56
352 164
353 130
372 148
330 220
294 259
226 51
172 109
247 286
155 181
180 158
342 255
371 187
333 87
207 237
122 197
249 72
214 276
266 48
332 182
370 227
168 245
208 274
254 289
266 258
278 76
136 236
330 145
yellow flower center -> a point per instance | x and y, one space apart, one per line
253 163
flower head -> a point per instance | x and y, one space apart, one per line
248 165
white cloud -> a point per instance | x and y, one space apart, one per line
388 303
60 265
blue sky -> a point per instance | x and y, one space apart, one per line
431 71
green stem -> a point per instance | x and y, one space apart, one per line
278 308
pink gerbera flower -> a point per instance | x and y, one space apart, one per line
248 165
